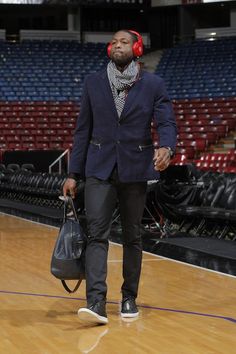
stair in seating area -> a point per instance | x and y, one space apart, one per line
151 60
224 144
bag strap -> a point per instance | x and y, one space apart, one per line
68 289
69 202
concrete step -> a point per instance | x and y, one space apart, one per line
218 149
228 146
226 141
151 60
224 144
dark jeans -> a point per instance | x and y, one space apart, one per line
100 201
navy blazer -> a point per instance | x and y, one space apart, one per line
102 139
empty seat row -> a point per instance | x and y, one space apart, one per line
32 71
203 206
36 192
200 69
38 184
218 162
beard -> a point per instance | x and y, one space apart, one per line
121 60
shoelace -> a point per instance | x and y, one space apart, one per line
128 298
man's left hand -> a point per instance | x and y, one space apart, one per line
161 159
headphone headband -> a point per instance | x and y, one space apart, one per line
136 33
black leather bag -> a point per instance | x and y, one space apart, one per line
68 258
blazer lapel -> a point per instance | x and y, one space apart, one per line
130 99
108 93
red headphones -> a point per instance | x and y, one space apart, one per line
137 46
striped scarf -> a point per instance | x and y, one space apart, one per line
121 82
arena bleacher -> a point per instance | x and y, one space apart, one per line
201 80
40 90
41 86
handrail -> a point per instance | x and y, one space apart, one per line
59 159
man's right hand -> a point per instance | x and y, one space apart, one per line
70 188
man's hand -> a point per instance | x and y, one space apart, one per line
70 188
161 159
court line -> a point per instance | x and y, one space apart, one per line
226 318
183 263
152 254
193 265
32 221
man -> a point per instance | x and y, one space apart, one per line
113 150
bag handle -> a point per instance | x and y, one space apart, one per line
66 287
69 202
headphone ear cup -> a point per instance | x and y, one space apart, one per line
109 50
138 48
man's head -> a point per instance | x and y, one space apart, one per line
124 46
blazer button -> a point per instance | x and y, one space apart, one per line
118 142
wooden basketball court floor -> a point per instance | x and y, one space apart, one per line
183 309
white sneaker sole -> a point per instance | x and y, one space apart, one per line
86 315
129 315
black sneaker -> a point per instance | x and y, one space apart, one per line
94 314
129 308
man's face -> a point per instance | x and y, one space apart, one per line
121 48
